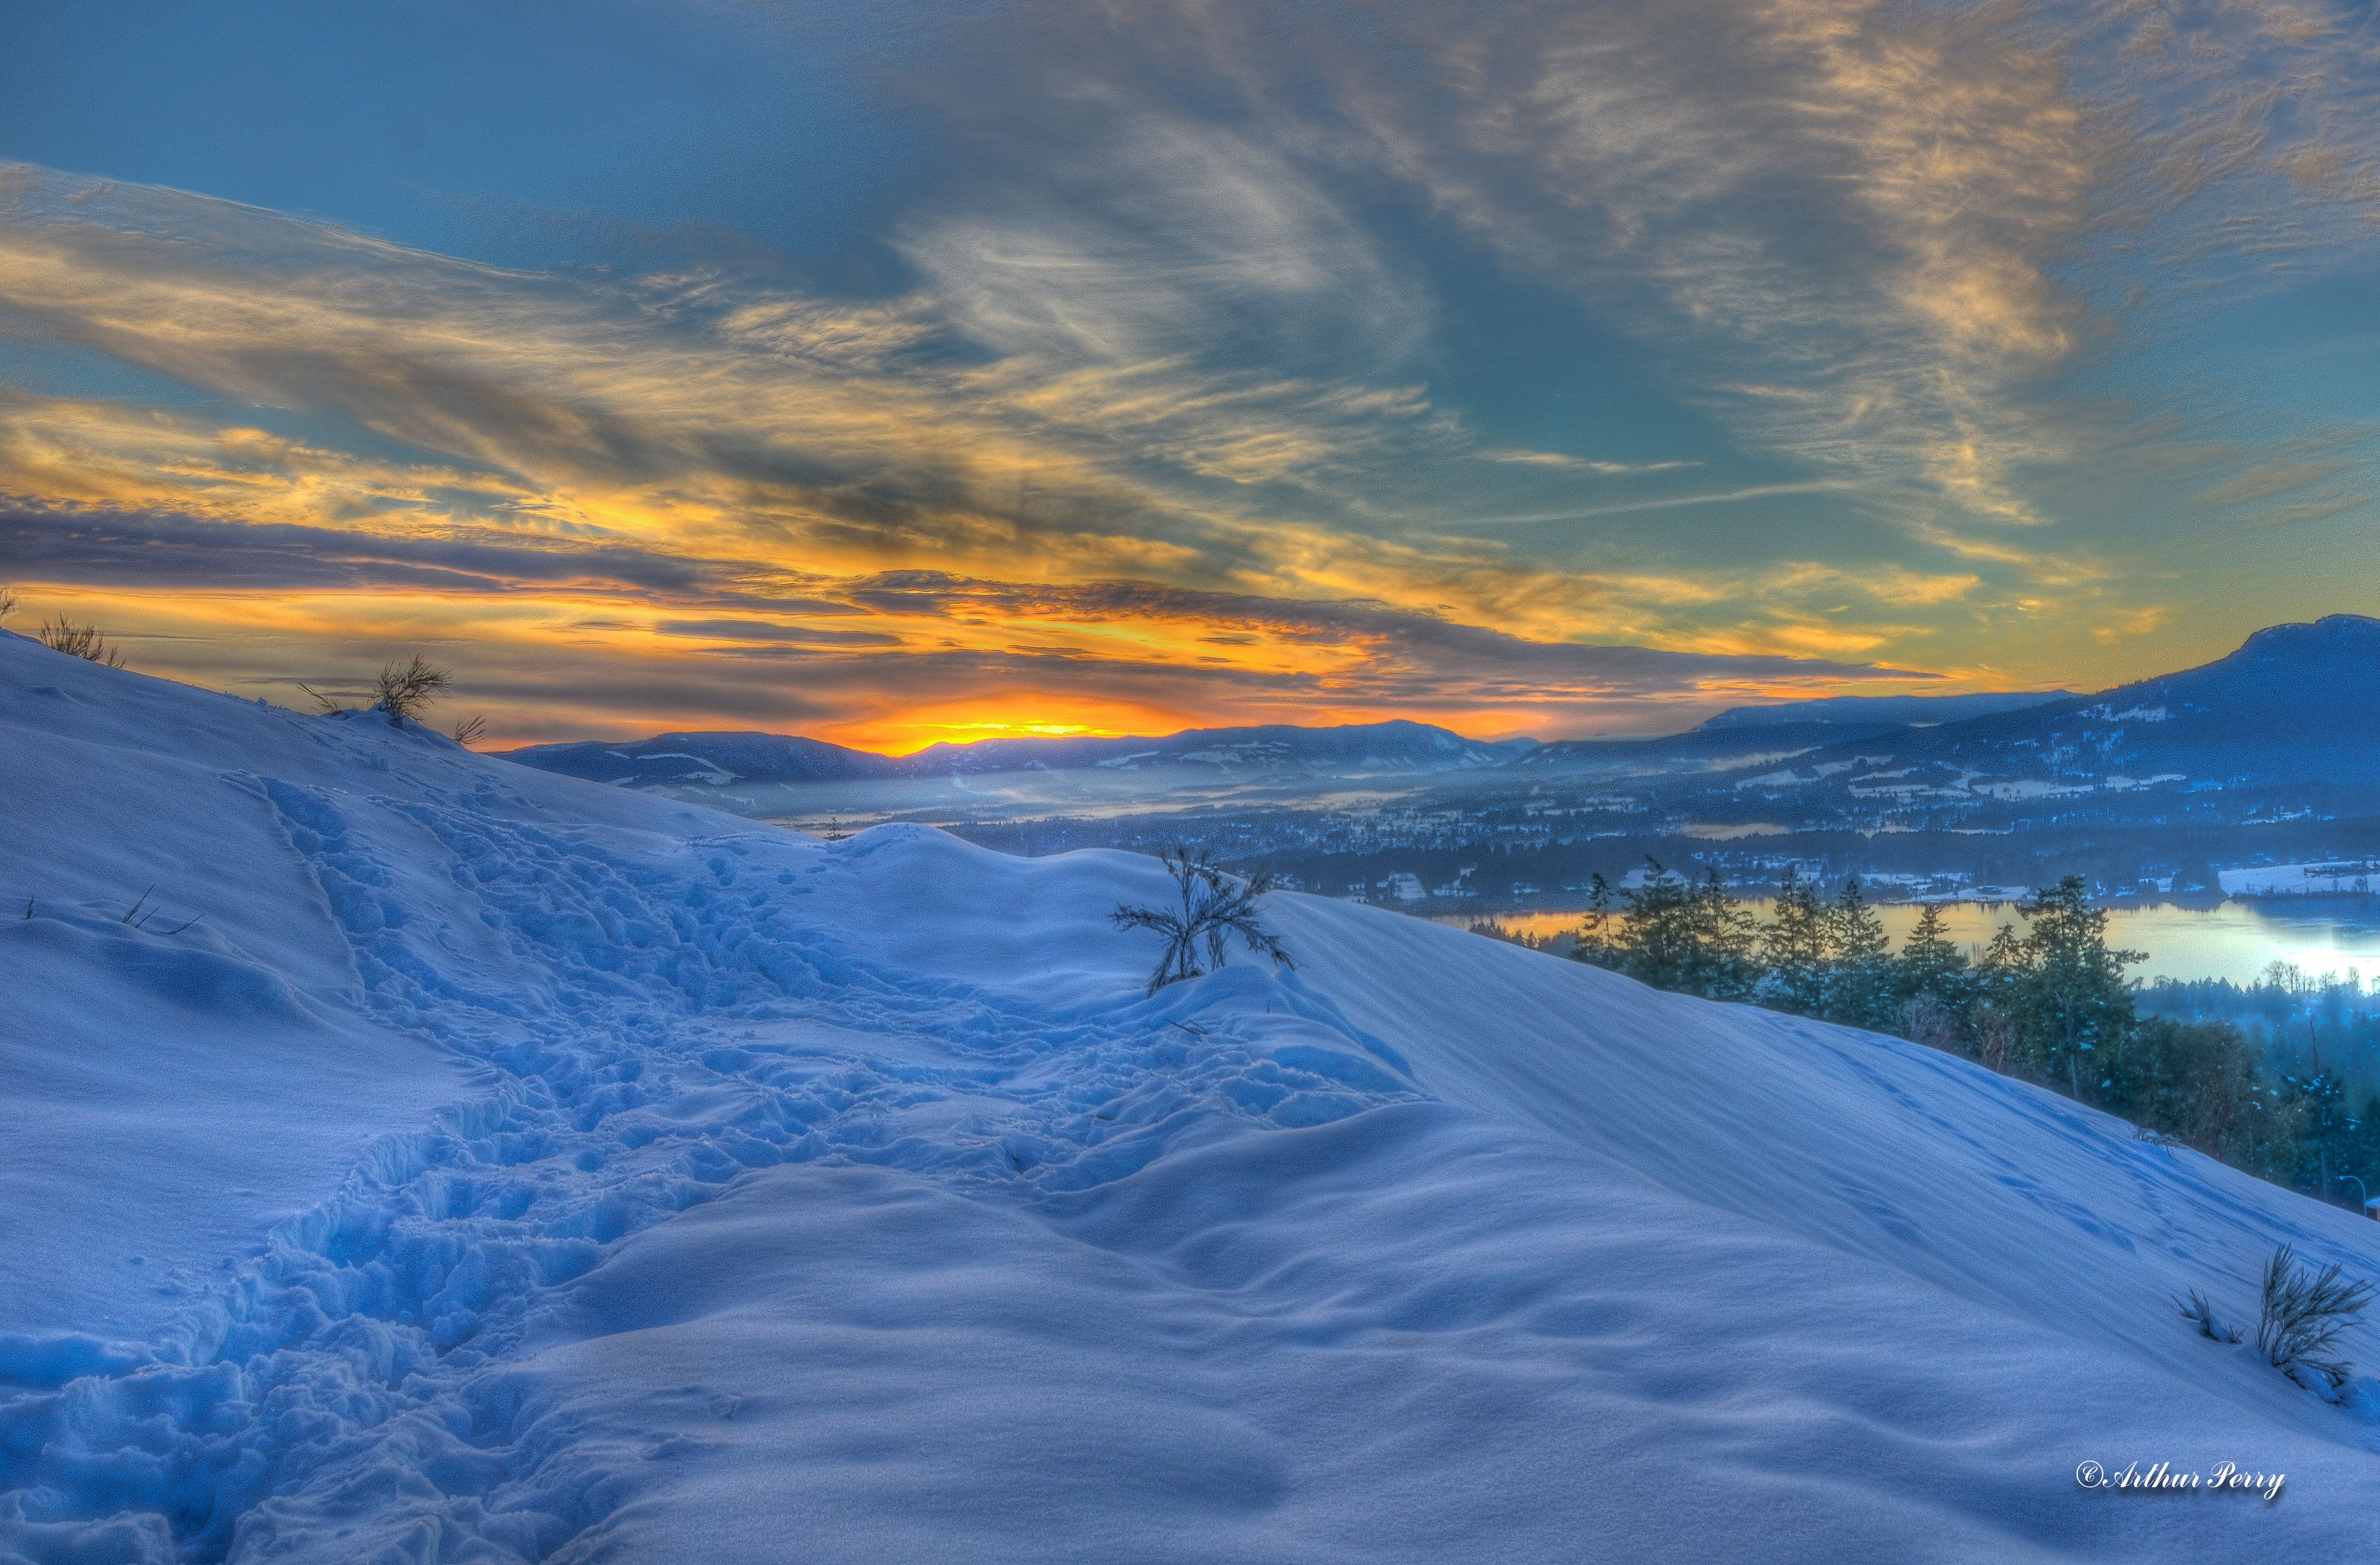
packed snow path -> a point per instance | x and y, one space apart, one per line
679 1025
850 1202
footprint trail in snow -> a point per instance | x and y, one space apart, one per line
660 1029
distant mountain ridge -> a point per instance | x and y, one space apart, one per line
1752 735
2297 704
718 759
680 759
1864 710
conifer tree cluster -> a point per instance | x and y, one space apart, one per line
1817 956
2051 1005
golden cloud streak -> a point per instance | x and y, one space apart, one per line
399 390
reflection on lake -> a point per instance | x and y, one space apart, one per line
2235 941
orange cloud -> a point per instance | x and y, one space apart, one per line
552 638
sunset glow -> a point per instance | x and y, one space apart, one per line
1122 372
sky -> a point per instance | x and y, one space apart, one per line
901 374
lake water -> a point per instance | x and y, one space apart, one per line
2235 941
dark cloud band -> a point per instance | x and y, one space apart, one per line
1382 659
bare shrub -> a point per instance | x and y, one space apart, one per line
470 728
1215 906
8 602
404 689
2201 1314
2304 1311
82 641
1922 1019
1995 1039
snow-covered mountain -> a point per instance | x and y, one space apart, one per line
1885 711
1748 736
2297 706
720 760
710 758
506 1168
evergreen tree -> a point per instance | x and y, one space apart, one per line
1932 993
1594 944
2327 1127
1727 936
2003 967
2072 1002
1858 989
1994 981
1931 964
1793 948
1653 939
2270 1142
1690 938
2364 1146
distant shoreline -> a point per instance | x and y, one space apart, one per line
1450 908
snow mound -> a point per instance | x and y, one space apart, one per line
504 1168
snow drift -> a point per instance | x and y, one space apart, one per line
504 1167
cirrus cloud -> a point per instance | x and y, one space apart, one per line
1242 306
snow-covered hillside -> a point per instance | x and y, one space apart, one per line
506 1168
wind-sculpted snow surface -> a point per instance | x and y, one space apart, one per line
593 1177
